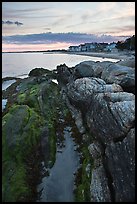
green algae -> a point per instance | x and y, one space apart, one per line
83 177
29 97
36 105
20 132
22 125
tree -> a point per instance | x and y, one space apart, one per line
128 44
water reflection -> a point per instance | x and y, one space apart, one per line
59 185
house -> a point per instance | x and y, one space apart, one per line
94 47
74 49
110 47
88 47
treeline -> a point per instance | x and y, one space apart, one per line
128 44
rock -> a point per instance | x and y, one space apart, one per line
76 114
45 146
108 119
127 62
120 159
84 69
38 72
63 74
122 75
100 66
104 112
21 128
25 120
90 68
33 108
95 150
128 84
80 92
99 189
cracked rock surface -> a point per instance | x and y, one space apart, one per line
103 95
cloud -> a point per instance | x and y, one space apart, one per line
49 38
11 23
47 29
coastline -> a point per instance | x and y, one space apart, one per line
118 55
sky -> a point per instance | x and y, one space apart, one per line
30 26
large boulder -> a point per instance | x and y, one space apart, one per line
80 92
120 161
90 68
111 115
130 62
38 72
84 69
104 110
19 127
63 74
122 75
99 189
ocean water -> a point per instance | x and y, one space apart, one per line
20 64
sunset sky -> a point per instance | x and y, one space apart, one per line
57 25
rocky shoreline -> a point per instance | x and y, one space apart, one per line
100 97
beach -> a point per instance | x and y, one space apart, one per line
121 55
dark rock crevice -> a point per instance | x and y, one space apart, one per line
110 181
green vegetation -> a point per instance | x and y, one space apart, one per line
36 105
50 110
39 72
83 178
22 126
29 97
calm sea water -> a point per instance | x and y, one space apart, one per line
20 64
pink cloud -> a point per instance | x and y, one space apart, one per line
33 47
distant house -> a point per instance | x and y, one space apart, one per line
93 47
110 47
83 48
88 47
101 46
74 49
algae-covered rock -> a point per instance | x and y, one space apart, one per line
38 72
21 128
33 110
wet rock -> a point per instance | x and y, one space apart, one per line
25 120
45 146
33 107
120 157
21 128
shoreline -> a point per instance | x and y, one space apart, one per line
119 55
